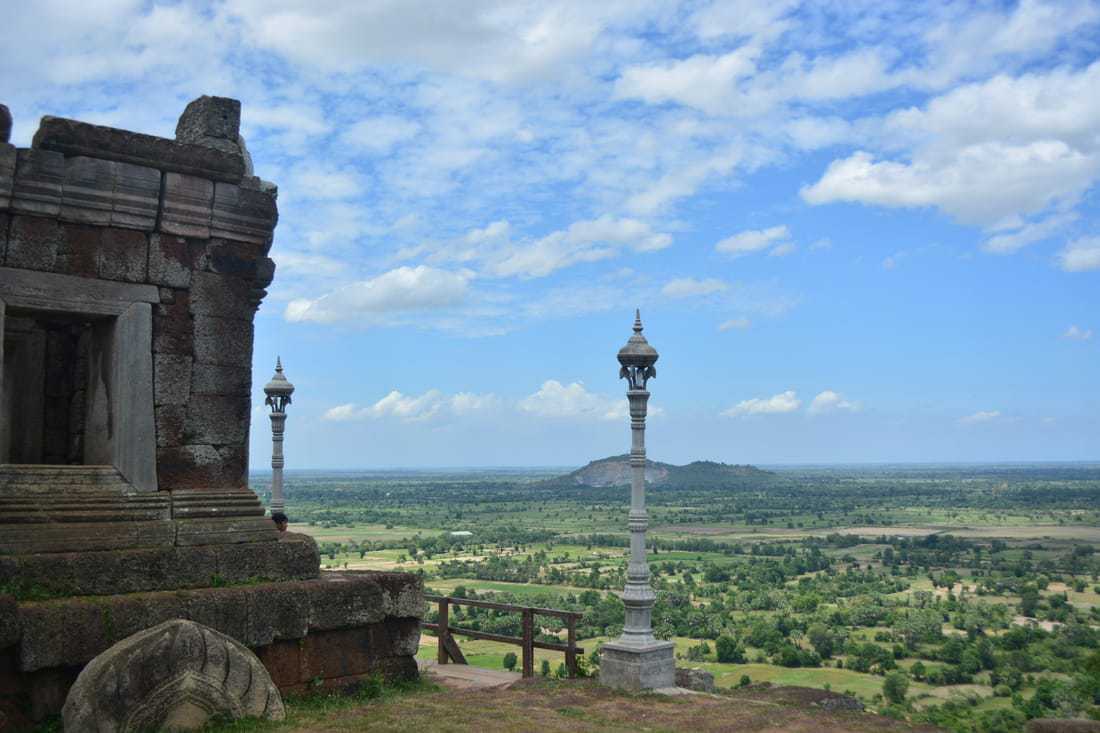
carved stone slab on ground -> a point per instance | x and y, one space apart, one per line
175 676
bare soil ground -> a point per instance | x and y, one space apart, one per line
583 705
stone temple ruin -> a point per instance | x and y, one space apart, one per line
131 267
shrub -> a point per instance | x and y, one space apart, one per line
544 669
728 650
895 687
745 681
510 661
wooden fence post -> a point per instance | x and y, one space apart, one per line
528 642
571 652
444 611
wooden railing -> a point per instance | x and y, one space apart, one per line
449 650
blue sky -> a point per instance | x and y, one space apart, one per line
856 231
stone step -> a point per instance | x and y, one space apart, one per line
16 476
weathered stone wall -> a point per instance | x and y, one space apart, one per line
334 629
183 215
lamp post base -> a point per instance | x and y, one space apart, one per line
629 667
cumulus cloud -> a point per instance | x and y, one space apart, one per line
557 400
1081 255
1076 333
781 403
400 290
410 408
980 417
755 240
689 287
1022 155
739 324
830 401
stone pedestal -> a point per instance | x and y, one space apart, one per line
635 668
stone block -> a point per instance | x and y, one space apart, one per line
216 419
33 242
169 425
87 195
202 467
7 174
265 272
223 341
5 220
171 379
123 255
652 667
136 197
186 205
38 184
214 379
218 295
696 679
5 123
169 261
78 250
178 675
213 122
173 330
10 628
72 137
237 259
243 214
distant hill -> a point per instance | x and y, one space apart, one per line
615 471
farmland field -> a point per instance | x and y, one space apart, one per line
978 586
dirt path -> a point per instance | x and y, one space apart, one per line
585 706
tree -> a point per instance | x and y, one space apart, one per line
895 687
510 661
821 640
728 650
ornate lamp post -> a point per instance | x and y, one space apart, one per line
278 392
637 660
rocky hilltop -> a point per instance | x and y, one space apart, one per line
615 471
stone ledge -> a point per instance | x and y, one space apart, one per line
70 632
293 557
73 137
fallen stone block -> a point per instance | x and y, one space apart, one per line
178 675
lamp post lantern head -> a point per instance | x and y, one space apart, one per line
637 357
278 390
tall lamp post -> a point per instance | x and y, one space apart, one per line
637 660
278 392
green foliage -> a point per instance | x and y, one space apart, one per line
510 661
895 687
728 650
544 669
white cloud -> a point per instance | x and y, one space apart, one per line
1076 333
829 401
554 399
316 182
584 241
381 133
411 408
980 417
689 287
781 403
1014 239
739 324
400 290
1081 255
986 153
755 240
